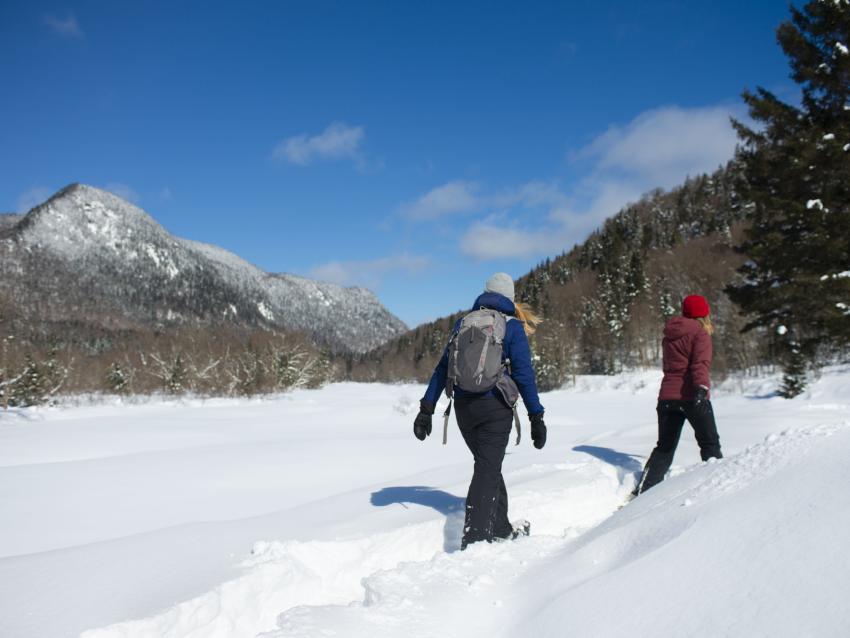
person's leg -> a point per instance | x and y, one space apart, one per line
485 424
502 527
671 418
467 424
705 430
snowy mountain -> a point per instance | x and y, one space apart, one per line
8 219
88 256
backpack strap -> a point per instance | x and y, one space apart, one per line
516 414
517 425
450 385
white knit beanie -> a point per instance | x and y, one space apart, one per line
501 283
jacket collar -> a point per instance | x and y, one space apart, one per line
495 301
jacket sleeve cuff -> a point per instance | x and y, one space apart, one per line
426 406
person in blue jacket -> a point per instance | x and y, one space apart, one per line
485 419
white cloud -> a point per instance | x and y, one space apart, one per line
123 191
536 194
68 27
32 198
492 237
662 146
337 141
454 197
463 197
657 149
368 274
487 240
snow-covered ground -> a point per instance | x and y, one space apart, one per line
319 514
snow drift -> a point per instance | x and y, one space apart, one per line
319 514
750 546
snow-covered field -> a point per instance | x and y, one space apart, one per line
319 514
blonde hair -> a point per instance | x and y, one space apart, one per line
528 317
705 322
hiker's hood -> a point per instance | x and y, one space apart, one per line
495 301
678 327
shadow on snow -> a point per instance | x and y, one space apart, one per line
449 505
625 463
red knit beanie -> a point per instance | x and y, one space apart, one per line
695 306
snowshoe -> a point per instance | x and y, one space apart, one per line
520 528
632 496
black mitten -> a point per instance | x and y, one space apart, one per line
538 430
422 424
701 402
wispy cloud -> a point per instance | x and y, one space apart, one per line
464 197
539 194
496 234
663 145
657 149
368 274
67 27
488 240
32 198
338 141
123 191
454 197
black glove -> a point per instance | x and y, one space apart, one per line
422 424
701 402
538 430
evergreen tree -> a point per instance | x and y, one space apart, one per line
116 378
175 381
794 379
322 370
284 365
796 173
31 387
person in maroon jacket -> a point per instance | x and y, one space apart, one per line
684 390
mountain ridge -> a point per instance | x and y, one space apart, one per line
87 245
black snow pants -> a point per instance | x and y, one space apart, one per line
671 419
485 423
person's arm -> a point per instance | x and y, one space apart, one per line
438 379
522 371
700 363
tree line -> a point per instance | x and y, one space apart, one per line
38 365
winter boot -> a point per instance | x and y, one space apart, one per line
520 528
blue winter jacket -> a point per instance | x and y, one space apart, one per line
515 348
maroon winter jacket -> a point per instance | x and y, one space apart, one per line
687 359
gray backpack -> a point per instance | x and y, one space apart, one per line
475 359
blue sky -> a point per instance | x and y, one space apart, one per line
412 147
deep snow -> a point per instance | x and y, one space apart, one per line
318 513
